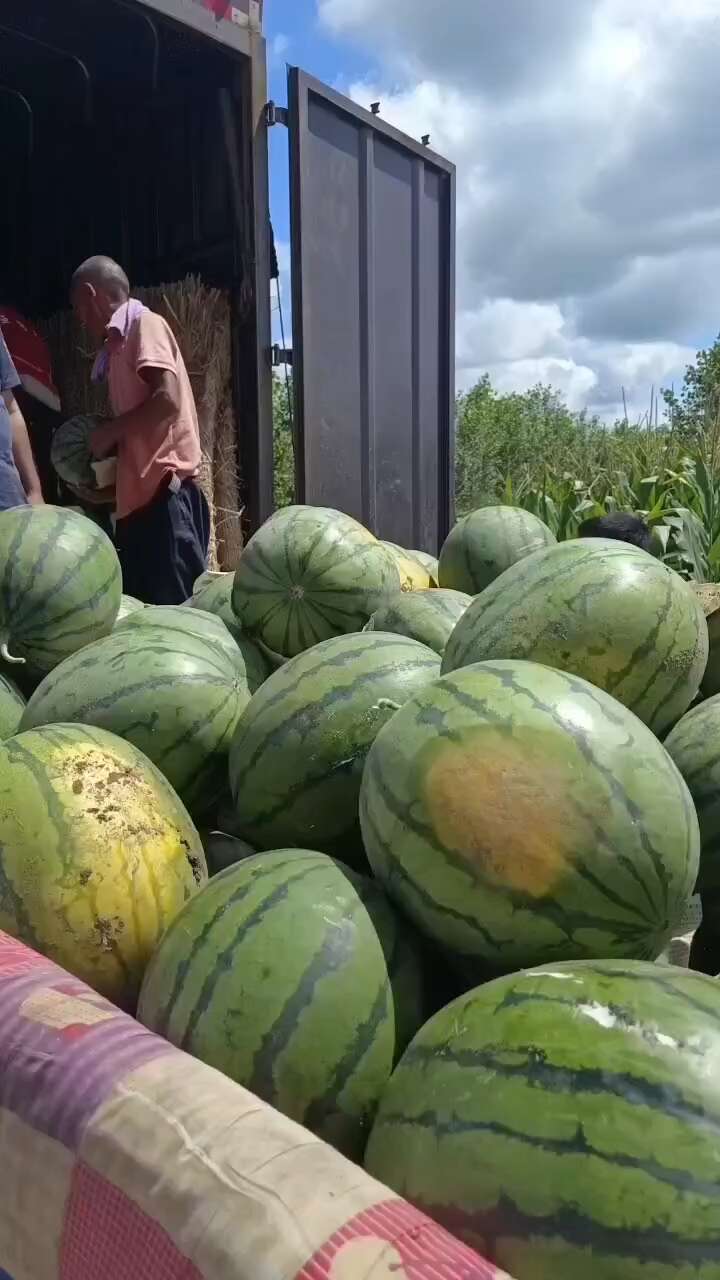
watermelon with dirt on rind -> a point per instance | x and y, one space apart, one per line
601 609
97 854
242 653
414 575
564 1121
12 706
296 978
174 695
485 543
429 617
308 574
60 584
297 756
519 815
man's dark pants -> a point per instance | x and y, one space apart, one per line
163 547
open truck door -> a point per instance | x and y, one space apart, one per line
373 234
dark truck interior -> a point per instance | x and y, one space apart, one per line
123 134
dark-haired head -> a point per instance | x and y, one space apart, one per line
622 525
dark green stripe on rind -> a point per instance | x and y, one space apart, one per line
606 611
277 975
567 831
310 573
566 1118
61 583
299 749
175 695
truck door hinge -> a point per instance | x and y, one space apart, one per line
276 115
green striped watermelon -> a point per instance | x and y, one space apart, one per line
128 605
430 563
694 745
60 584
70 452
176 696
565 1121
428 616
486 543
243 654
603 610
295 978
223 851
297 756
308 574
12 705
97 854
519 815
212 592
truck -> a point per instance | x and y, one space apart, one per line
139 128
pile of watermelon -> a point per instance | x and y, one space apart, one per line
396 842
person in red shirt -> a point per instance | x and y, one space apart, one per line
162 520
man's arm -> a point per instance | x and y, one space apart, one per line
160 409
22 451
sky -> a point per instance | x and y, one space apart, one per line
585 138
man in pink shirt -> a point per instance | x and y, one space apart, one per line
162 527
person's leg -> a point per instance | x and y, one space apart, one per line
189 535
163 548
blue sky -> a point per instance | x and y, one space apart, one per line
584 134
295 37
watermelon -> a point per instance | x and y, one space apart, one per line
297 756
60 584
565 1122
694 745
97 854
223 851
708 594
12 705
243 654
430 563
70 451
601 609
295 978
128 605
414 576
309 574
212 592
486 543
519 815
427 616
176 696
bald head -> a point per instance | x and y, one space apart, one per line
98 287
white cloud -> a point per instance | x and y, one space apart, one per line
584 132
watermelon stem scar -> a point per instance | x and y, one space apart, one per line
8 657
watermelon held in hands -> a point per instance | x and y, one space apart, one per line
564 1121
60 585
309 574
603 610
429 617
486 543
519 815
296 978
176 696
298 753
70 452
97 854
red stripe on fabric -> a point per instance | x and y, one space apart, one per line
108 1237
427 1251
